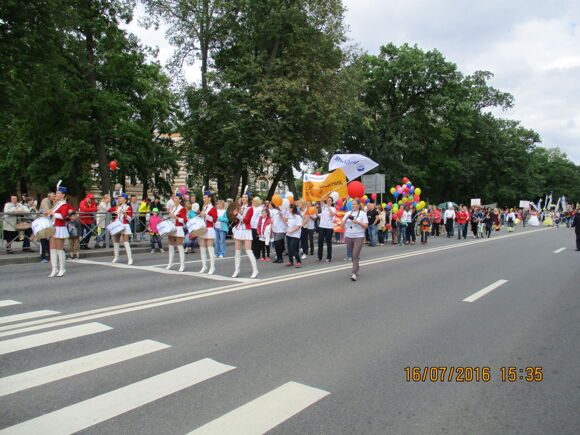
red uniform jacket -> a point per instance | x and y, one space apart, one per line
181 217
86 210
211 217
247 218
461 217
61 214
126 216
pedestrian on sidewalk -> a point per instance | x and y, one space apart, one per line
87 208
382 230
355 223
373 219
325 227
294 223
576 225
102 211
154 237
449 220
307 234
74 235
264 234
279 229
411 221
221 229
425 226
11 211
511 217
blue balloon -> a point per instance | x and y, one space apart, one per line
409 184
343 208
396 194
349 205
411 190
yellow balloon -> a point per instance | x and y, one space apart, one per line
392 190
417 191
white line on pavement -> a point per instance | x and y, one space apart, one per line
8 303
27 316
484 291
266 412
557 251
106 406
188 296
164 271
30 341
55 372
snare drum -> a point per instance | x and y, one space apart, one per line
115 227
166 227
196 227
43 228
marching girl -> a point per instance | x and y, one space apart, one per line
178 216
59 213
207 240
243 235
124 213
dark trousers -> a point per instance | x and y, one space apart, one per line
155 238
26 241
488 231
449 228
306 238
264 249
382 234
325 235
44 249
87 230
255 243
411 233
279 247
293 249
435 229
464 230
424 236
578 241
474 228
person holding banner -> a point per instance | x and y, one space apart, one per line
124 213
325 227
178 216
210 215
355 223
59 213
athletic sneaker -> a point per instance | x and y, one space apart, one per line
298 265
353 277
152 251
304 256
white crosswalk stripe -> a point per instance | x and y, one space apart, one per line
30 341
9 303
266 412
106 406
27 316
55 372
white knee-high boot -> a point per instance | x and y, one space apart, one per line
116 247
53 262
129 253
61 261
181 251
237 261
211 254
203 259
171 250
252 258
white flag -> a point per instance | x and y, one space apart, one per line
353 165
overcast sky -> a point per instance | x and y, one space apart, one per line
532 47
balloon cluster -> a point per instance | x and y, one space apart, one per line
283 200
409 196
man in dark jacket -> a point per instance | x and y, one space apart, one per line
576 226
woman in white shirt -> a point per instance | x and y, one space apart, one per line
294 222
307 235
257 212
325 227
279 229
355 223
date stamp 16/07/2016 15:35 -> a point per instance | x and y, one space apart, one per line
461 374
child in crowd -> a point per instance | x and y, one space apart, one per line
74 232
221 230
425 226
155 220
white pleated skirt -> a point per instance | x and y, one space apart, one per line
61 233
242 234
209 234
127 231
178 232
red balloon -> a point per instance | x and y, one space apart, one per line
317 173
405 180
374 196
397 187
356 189
390 204
113 165
417 198
400 213
339 203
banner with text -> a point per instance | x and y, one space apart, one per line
315 186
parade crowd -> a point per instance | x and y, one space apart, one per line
276 231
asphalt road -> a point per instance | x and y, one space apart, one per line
300 351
